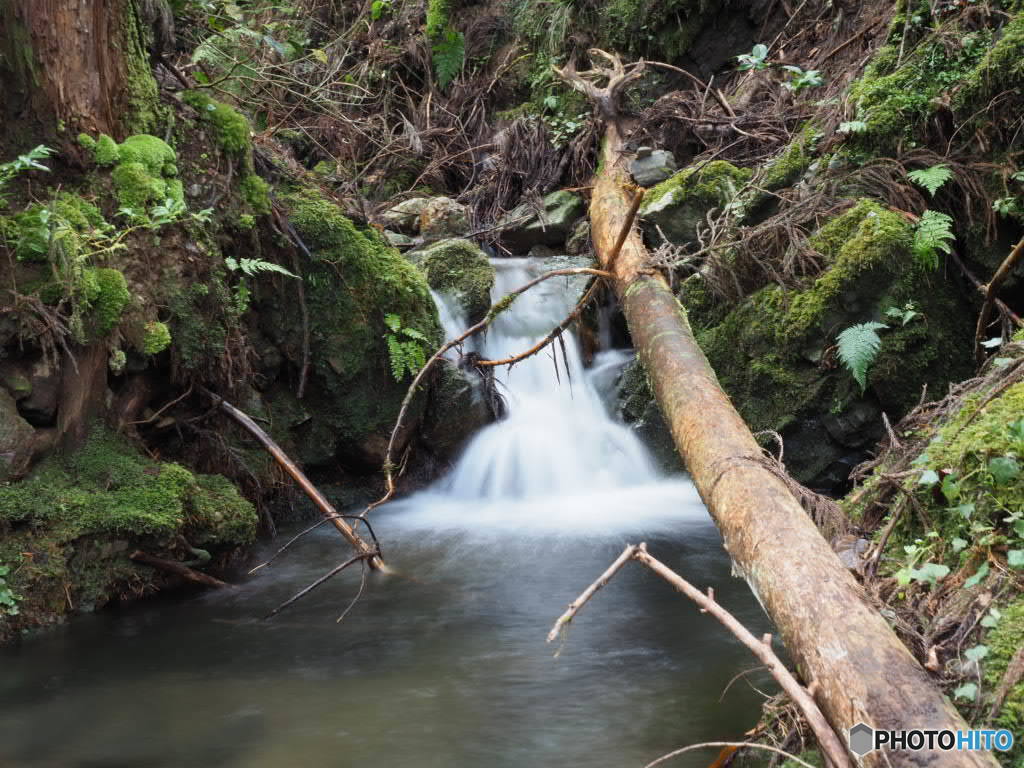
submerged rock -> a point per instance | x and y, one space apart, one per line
523 228
460 269
651 167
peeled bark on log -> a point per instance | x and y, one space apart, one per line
862 670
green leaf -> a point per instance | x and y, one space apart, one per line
1004 469
931 178
992 618
967 691
977 653
1015 558
929 478
858 347
950 488
932 573
979 574
934 230
958 544
966 509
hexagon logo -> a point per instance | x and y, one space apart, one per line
862 739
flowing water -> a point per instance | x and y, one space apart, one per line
443 664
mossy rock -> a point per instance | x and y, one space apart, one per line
679 204
1003 641
523 228
70 526
352 280
144 171
772 352
458 268
638 409
230 127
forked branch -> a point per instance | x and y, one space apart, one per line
829 742
618 76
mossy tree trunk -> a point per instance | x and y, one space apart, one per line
862 672
72 66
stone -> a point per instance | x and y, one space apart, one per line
398 240
16 439
523 228
456 412
460 269
859 425
639 410
651 167
405 216
14 377
541 252
578 243
680 204
443 217
39 408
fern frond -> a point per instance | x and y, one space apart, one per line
858 347
934 233
412 333
393 322
449 54
931 178
253 267
396 356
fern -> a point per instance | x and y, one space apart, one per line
858 347
406 348
253 267
931 178
933 233
449 54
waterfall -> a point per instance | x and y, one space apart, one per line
559 456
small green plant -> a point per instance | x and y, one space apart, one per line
379 9
156 338
8 600
798 78
407 347
932 178
448 56
904 315
853 126
757 59
26 162
928 573
858 347
933 233
253 267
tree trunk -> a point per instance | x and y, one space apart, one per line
864 673
73 66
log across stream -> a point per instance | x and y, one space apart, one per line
443 663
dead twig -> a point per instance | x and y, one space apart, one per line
990 293
734 744
322 580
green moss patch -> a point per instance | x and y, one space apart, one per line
230 127
461 269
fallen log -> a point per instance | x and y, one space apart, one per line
178 569
843 648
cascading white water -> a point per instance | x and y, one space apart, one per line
559 455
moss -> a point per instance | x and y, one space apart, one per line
71 525
768 350
438 18
353 279
895 101
154 154
680 203
785 169
156 339
256 192
105 150
230 126
1001 69
217 515
1003 642
461 269
108 296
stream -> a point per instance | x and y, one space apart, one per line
443 663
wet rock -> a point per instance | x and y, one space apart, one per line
680 204
443 217
541 252
39 407
859 425
579 239
524 228
459 269
457 411
14 377
16 439
652 166
405 216
638 409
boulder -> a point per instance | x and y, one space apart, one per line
652 166
443 217
677 206
456 412
39 408
16 439
405 216
398 240
458 268
523 228
578 242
